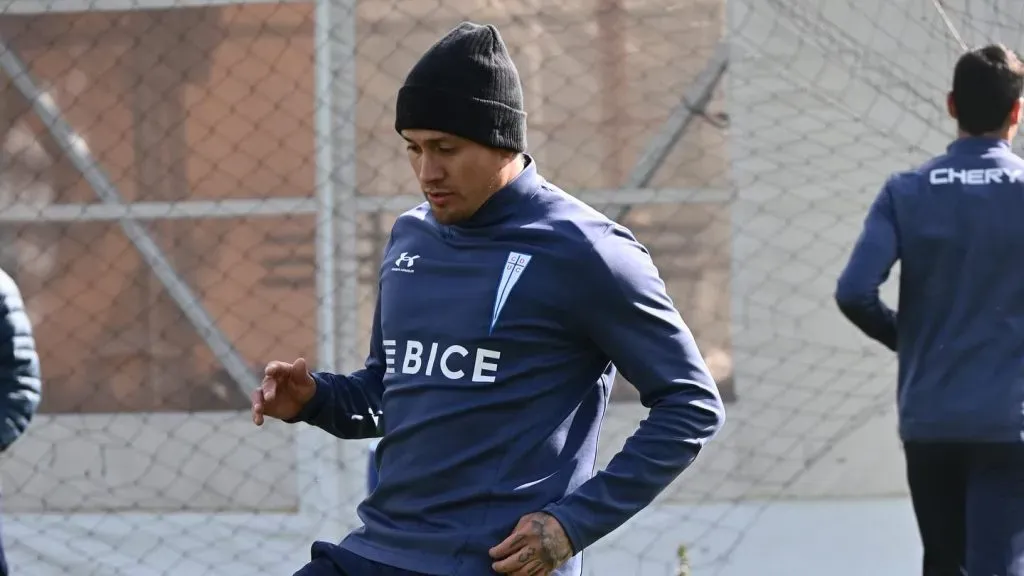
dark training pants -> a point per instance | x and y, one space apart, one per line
332 560
969 503
3 562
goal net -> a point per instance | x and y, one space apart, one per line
192 188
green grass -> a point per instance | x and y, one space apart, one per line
684 561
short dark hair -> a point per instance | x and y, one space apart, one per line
986 83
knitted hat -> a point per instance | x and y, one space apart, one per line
467 85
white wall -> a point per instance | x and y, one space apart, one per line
838 538
826 99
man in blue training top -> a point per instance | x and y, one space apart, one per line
956 224
502 304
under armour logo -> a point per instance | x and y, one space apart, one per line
405 260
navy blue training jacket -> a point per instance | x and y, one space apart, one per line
956 225
489 372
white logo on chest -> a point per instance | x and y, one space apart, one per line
454 362
515 265
405 262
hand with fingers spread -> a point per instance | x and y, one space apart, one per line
537 546
285 389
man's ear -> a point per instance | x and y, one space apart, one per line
508 157
951 106
1014 117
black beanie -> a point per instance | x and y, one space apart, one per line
466 85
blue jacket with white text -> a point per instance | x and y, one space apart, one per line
956 225
488 377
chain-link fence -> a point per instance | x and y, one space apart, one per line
191 188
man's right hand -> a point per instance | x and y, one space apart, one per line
285 389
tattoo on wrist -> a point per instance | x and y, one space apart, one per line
555 548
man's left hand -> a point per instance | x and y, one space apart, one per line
537 546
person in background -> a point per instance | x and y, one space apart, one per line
956 224
20 378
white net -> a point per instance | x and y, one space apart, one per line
192 188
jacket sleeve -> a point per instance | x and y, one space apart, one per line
350 406
20 378
874 254
631 318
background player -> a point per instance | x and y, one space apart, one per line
956 224
20 383
502 304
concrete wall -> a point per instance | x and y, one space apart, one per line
826 99
839 538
